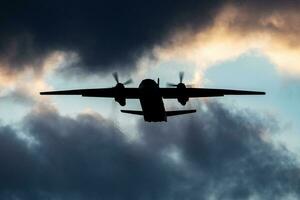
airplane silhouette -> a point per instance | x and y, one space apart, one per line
151 96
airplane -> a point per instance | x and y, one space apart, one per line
151 96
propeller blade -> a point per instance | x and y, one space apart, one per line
116 76
181 74
171 84
128 82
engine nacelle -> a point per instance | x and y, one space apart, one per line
121 100
119 94
183 100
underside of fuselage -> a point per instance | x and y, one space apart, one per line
151 101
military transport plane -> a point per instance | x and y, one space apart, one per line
151 96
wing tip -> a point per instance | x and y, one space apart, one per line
260 93
45 93
253 93
49 93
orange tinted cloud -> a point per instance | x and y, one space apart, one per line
237 30
27 83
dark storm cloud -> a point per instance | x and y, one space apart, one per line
228 155
219 153
78 159
105 34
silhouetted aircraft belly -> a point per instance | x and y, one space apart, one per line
151 96
151 102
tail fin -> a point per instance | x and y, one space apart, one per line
179 112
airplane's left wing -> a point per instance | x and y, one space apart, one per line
129 93
169 93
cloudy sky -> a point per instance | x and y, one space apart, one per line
83 148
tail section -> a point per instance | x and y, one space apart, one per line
134 112
179 112
157 117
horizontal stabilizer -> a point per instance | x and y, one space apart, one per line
179 112
134 112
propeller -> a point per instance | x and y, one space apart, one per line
116 77
181 75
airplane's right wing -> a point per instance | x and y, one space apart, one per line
172 93
129 93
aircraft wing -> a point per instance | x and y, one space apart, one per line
169 93
129 93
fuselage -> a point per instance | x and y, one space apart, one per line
151 101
